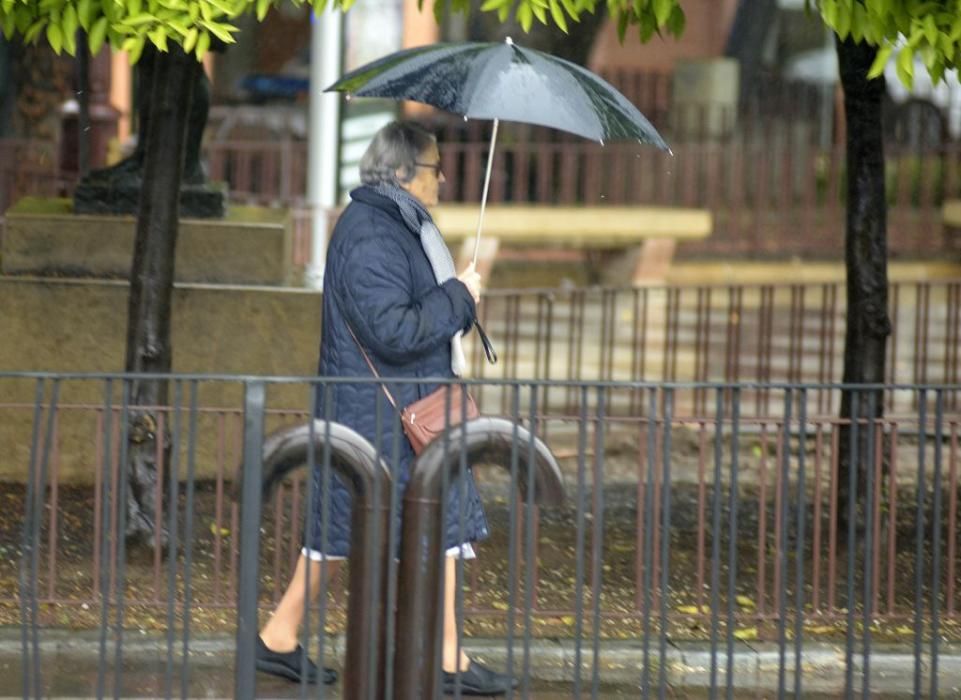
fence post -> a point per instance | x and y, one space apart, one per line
250 512
422 547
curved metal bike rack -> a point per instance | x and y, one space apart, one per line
355 460
488 440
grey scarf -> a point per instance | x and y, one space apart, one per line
419 220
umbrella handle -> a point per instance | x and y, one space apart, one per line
487 182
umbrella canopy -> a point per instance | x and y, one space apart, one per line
503 81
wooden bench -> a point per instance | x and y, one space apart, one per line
647 235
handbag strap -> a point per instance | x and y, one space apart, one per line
488 350
371 365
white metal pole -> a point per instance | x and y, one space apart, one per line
487 182
323 135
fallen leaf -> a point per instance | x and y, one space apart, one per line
746 634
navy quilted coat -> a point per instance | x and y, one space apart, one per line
379 279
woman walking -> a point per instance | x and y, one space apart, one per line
391 298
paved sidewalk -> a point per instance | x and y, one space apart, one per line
69 668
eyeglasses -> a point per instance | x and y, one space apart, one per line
433 166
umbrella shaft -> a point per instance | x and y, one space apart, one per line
487 182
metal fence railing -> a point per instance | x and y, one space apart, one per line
692 538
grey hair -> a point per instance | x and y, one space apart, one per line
392 153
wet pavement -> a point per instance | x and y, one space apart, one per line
207 677
212 676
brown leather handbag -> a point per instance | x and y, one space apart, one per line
427 418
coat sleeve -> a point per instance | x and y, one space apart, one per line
378 302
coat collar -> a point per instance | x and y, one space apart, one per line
367 195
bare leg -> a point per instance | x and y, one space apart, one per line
451 662
280 632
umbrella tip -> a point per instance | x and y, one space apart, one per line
509 41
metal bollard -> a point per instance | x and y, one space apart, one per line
487 439
354 459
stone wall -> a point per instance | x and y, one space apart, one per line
63 325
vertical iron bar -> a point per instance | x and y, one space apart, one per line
325 488
784 481
188 537
799 557
852 540
393 536
648 539
121 538
529 542
105 535
372 604
39 496
716 534
919 544
732 536
28 599
173 510
579 542
597 532
512 554
665 539
245 669
936 540
868 546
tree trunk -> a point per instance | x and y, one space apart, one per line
151 286
865 251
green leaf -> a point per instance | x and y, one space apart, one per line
504 12
622 20
677 21
190 41
931 30
880 61
221 31
7 7
9 25
203 45
492 5
97 35
177 26
133 7
134 46
648 26
859 22
262 7
557 13
158 38
55 38
139 19
905 67
70 43
936 71
525 15
539 12
69 21
662 11
843 26
83 12
31 34
829 11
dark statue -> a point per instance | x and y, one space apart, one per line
116 189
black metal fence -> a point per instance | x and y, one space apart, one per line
692 551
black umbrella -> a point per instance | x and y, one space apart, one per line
503 81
